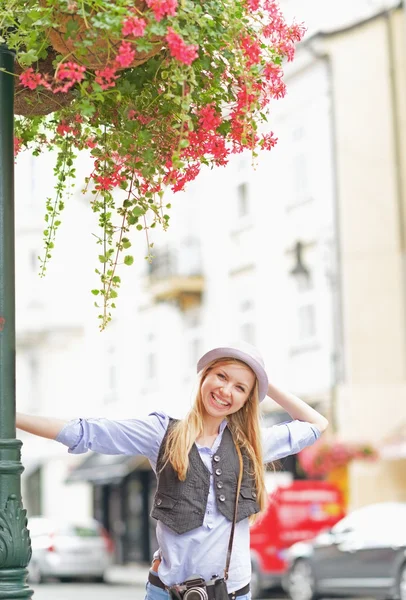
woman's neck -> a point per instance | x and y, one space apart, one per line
211 426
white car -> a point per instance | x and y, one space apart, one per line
363 555
68 550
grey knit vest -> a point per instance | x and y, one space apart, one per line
181 505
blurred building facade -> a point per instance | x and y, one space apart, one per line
367 67
302 255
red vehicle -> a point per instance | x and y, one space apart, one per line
296 512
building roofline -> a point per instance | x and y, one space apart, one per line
348 28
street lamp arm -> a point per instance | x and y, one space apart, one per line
46 427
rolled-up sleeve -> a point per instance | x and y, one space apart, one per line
105 436
284 439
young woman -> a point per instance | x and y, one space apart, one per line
197 465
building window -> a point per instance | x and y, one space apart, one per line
298 134
111 386
34 262
304 283
246 306
248 333
300 178
306 322
195 351
151 365
33 367
242 200
305 299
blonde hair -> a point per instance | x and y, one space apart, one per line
243 424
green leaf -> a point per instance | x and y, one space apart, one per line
128 260
95 292
137 211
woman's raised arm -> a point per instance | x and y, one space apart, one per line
46 427
297 408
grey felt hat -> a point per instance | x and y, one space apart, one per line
244 352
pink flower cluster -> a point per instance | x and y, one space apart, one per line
66 76
114 176
18 143
323 457
183 52
134 27
214 134
252 50
161 8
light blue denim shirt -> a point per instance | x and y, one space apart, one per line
203 550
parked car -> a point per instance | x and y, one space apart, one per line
68 550
364 554
297 511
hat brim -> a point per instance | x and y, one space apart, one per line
225 352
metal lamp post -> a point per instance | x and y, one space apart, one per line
15 546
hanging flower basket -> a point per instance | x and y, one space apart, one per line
324 457
72 35
160 89
39 101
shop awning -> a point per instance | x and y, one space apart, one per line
106 468
394 446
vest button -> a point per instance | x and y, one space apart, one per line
216 458
218 471
222 498
159 502
254 494
219 485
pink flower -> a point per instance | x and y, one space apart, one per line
18 142
209 120
163 7
67 73
251 50
71 71
179 50
125 55
134 26
63 128
30 79
106 77
268 141
253 4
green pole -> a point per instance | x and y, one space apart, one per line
15 545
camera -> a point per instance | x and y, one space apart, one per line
196 588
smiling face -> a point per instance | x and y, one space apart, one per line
226 388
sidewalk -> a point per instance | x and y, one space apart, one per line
129 574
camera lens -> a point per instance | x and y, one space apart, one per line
195 593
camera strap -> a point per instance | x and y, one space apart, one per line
230 543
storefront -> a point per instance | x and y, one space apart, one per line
123 489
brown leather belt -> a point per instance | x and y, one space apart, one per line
154 580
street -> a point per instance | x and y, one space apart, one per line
90 591
93 591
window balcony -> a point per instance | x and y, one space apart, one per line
176 276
